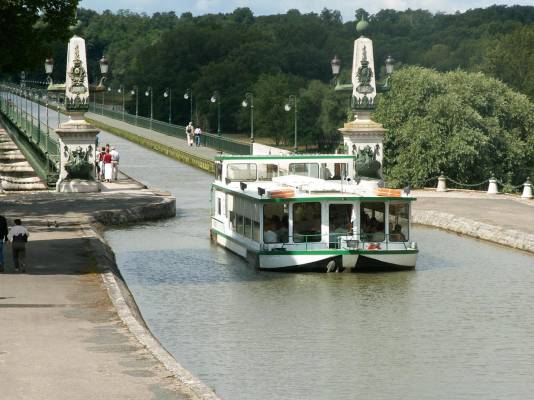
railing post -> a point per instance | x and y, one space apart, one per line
442 183
492 187
527 189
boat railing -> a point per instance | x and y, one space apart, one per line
343 241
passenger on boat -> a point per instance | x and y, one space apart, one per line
283 229
396 235
269 233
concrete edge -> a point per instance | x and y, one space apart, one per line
479 230
182 156
123 300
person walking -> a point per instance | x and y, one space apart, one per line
3 237
198 134
18 235
108 168
189 131
101 163
115 157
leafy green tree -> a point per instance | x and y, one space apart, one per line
467 125
270 95
511 59
27 27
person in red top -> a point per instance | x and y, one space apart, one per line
108 168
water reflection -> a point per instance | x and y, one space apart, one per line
458 327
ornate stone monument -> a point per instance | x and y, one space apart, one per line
77 138
363 137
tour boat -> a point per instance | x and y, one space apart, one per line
309 213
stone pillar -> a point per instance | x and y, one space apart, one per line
364 135
492 187
442 184
527 190
77 141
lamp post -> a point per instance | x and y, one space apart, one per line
135 91
49 68
110 90
149 92
121 90
292 102
104 67
189 95
216 98
249 100
168 93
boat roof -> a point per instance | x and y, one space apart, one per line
228 157
308 189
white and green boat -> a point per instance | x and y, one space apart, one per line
309 213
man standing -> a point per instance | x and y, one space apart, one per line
198 134
189 132
115 157
3 237
18 235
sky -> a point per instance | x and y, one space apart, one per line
265 7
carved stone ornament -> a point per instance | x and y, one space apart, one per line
364 74
78 165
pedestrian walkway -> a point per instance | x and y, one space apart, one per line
167 140
503 219
61 335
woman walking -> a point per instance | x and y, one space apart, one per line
108 167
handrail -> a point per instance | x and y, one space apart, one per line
34 136
207 139
360 241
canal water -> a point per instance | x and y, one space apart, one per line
459 327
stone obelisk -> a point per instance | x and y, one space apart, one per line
77 138
362 137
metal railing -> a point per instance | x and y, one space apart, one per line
216 142
343 241
37 139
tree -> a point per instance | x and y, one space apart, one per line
467 125
27 27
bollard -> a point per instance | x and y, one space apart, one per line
442 183
492 187
527 189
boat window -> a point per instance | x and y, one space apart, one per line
399 227
218 171
304 169
333 171
219 206
372 221
241 172
306 222
266 172
276 223
341 219
240 224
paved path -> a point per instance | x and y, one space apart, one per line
180 144
504 211
61 337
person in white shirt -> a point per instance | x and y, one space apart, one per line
189 131
115 157
198 134
18 235
269 234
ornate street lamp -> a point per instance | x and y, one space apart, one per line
336 66
149 92
189 95
49 68
216 98
249 101
135 91
104 68
121 90
168 93
292 101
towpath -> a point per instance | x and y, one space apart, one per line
62 337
